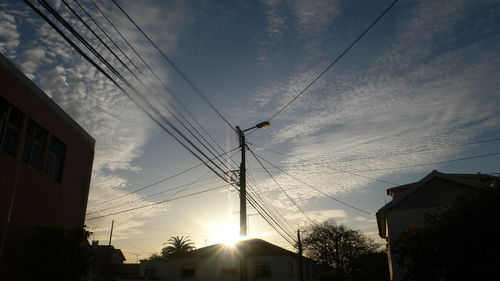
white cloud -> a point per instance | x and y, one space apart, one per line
310 19
32 58
275 21
412 99
360 219
314 16
9 34
316 216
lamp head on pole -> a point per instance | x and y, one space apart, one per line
264 124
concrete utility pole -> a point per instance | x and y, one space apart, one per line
111 233
243 184
243 206
243 198
301 261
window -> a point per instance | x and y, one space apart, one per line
262 270
187 272
290 270
10 126
55 158
34 145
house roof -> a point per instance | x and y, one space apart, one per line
105 253
254 247
404 191
400 188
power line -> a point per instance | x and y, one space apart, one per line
153 72
155 183
269 207
188 81
172 231
318 164
275 181
425 150
318 190
433 163
182 187
82 40
161 82
85 42
109 37
336 60
268 218
271 210
381 157
143 84
157 203
251 201
289 238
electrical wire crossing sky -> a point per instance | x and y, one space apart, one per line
362 96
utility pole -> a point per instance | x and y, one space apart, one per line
243 198
243 205
137 257
301 261
243 185
111 233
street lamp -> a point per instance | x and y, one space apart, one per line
243 196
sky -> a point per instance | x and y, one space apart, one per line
420 91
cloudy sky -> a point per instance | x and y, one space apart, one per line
419 92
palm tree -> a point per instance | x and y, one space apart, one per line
177 245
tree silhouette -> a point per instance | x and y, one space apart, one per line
155 257
59 254
177 245
337 246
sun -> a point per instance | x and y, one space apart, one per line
226 233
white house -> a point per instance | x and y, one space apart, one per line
410 202
220 262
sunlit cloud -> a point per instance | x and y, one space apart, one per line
9 34
400 101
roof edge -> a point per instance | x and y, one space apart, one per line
12 68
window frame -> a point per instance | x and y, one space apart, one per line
6 123
58 158
33 143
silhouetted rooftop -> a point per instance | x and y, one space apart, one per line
255 247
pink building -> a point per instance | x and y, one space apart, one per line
45 163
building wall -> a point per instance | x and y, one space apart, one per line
410 212
30 196
212 268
